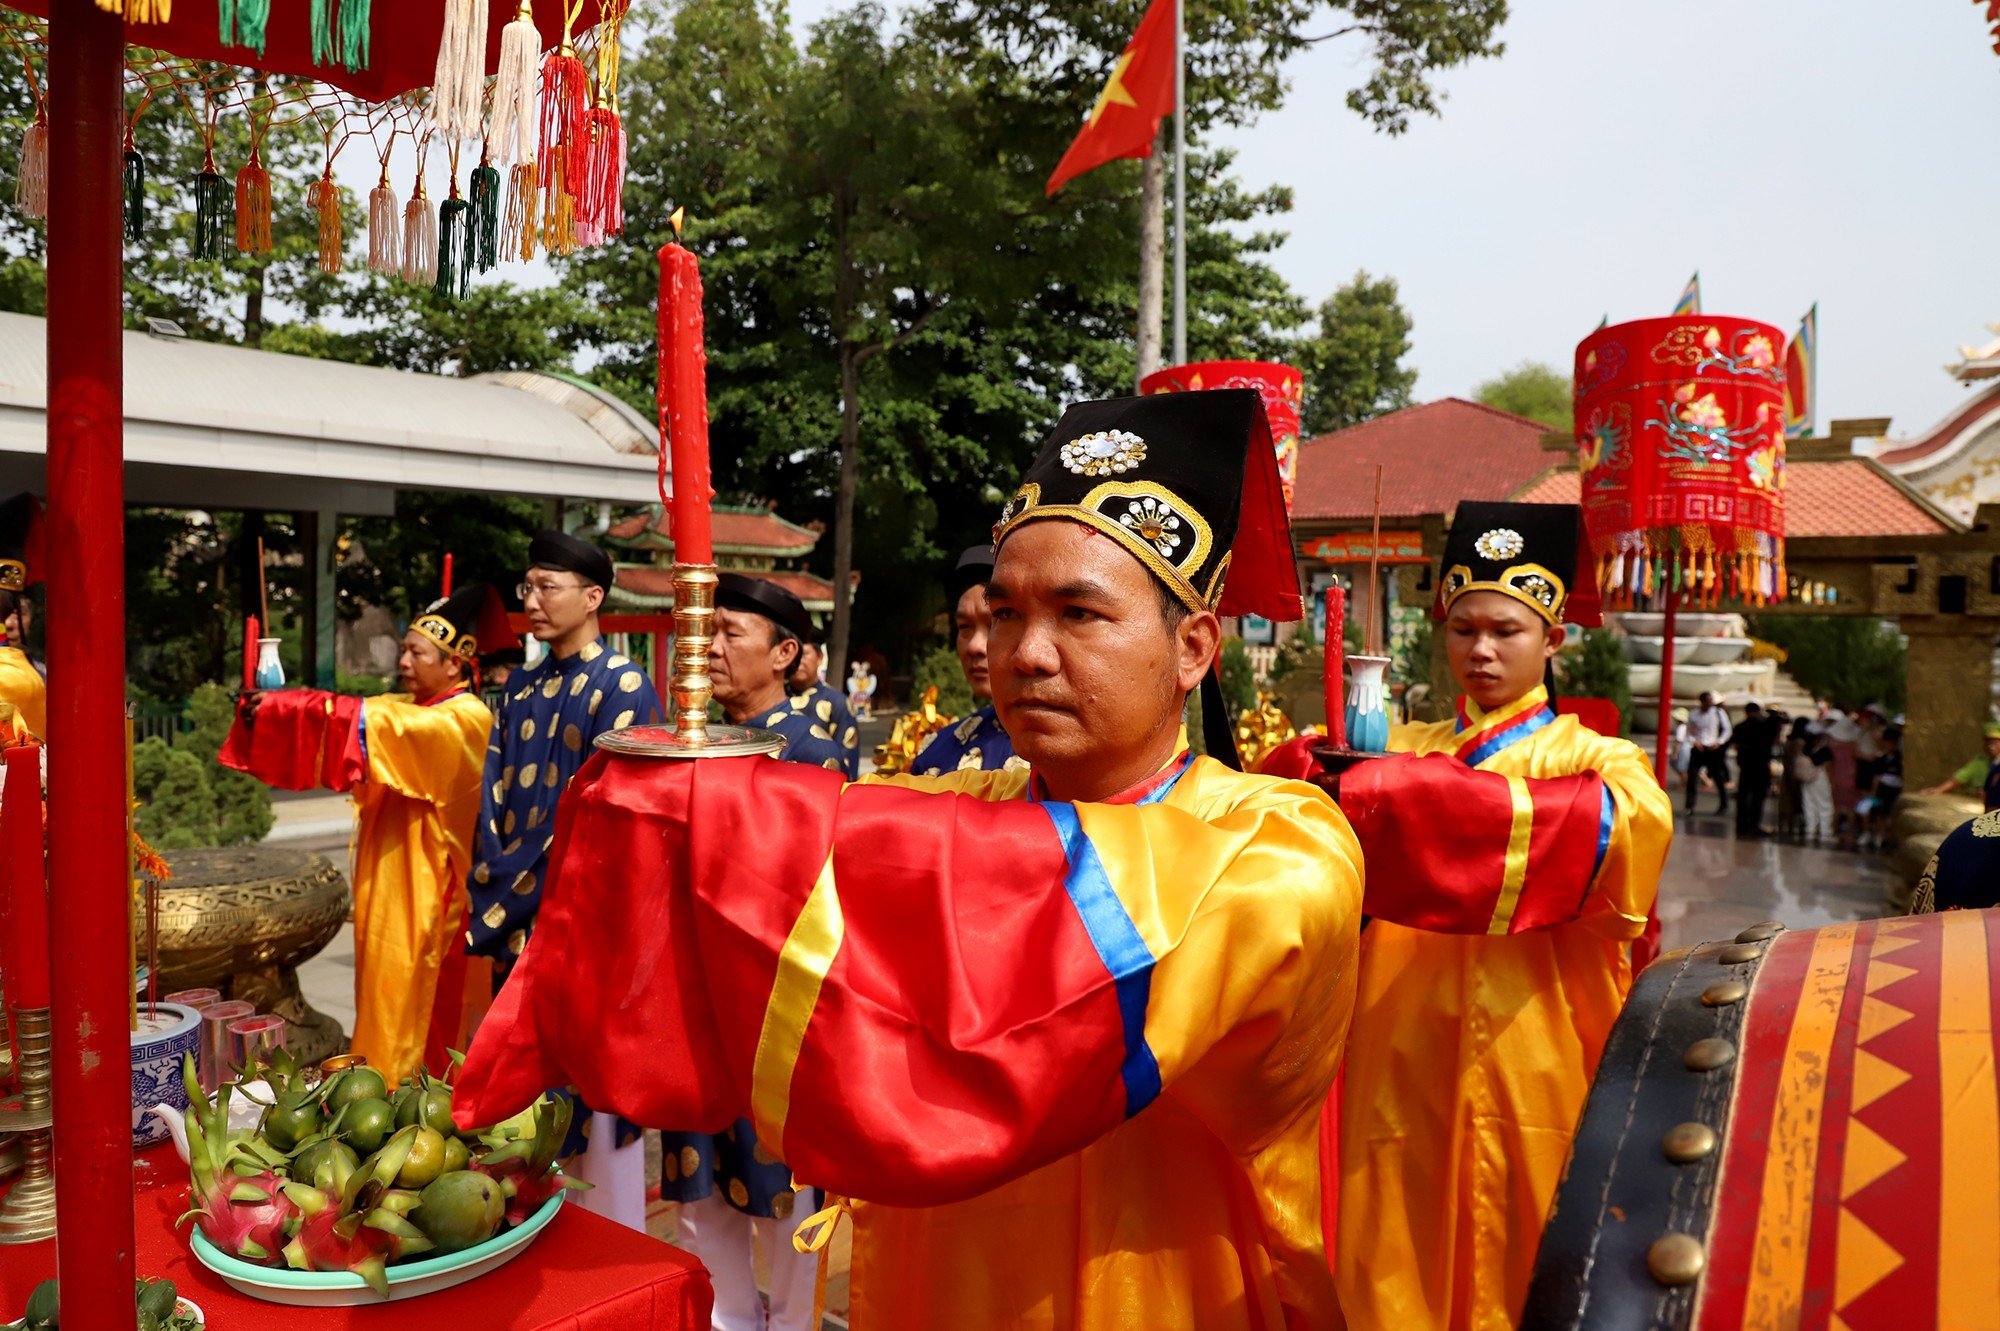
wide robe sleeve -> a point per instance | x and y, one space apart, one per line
412 749
1467 850
299 739
918 996
21 684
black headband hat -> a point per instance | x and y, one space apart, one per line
461 622
1526 551
974 569
1187 482
17 532
559 550
759 597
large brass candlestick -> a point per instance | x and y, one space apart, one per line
688 733
29 1215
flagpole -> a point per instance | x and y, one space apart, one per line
1180 182
1812 372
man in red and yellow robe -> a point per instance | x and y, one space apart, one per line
21 685
1512 859
1063 1035
413 763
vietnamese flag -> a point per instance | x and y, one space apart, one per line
1139 92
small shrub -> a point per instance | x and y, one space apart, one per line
940 667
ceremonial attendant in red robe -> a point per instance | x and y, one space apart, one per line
413 762
1512 858
1061 1037
21 686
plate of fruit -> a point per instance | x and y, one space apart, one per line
161 1308
349 1193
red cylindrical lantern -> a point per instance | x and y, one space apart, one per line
1282 387
1680 433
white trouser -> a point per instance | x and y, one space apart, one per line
1817 799
721 1236
616 1175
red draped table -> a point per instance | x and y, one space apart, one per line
583 1273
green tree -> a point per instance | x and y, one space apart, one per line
1848 660
1532 389
1595 667
1239 678
186 798
939 669
1354 365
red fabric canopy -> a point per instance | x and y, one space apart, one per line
403 40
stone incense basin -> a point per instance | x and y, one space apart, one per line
241 919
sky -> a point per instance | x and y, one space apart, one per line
1792 151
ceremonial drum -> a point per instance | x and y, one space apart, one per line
242 919
1793 1130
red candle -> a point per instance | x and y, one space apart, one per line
27 879
683 393
250 631
1335 680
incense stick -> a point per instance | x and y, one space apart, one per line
1375 567
263 591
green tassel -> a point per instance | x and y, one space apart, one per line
322 32
354 33
135 197
454 248
214 214
485 218
242 22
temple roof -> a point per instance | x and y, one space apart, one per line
1831 497
1432 456
735 530
653 587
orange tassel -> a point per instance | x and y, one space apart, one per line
324 196
253 207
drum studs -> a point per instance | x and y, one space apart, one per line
1688 1143
1738 953
1676 1259
1760 932
1710 1054
1723 993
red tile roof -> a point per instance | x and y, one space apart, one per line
1823 498
1431 456
733 529
658 582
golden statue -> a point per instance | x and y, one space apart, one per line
1260 729
909 734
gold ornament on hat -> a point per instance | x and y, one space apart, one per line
1103 452
13 575
1500 543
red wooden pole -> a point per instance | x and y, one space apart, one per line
90 934
1666 734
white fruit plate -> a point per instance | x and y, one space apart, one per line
343 1289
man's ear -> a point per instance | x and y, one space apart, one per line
1558 634
1198 639
594 594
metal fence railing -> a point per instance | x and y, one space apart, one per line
159 721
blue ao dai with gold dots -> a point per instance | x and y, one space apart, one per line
976 744
829 711
548 717
732 1162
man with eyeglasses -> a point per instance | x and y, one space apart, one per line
549 716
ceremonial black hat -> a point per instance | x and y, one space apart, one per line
1187 482
560 550
1526 551
17 521
460 622
759 597
974 569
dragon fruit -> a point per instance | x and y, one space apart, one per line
520 1156
237 1192
358 1225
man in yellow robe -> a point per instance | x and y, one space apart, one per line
1511 867
1064 1035
21 684
413 761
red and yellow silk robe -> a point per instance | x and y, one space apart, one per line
1071 1057
414 770
1509 868
21 685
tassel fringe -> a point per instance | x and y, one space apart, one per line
243 22
523 212
559 211
135 195
454 257
420 239
484 250
212 198
31 185
510 136
140 11
460 81
601 199
565 108
324 196
385 235
253 208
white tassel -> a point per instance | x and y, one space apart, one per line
385 237
511 137
459 85
420 240
31 186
